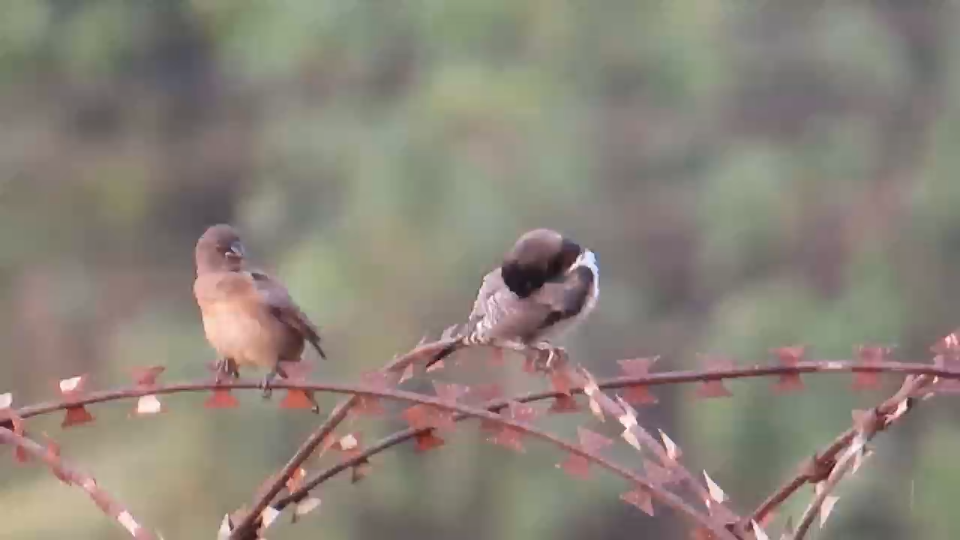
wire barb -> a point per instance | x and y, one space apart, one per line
70 475
513 423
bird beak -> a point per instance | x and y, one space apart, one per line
236 251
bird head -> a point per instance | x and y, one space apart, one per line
539 256
220 248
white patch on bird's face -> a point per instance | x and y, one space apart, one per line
588 259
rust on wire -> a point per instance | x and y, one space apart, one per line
579 466
76 414
493 404
10 419
576 466
823 465
869 356
449 391
403 365
560 382
638 367
656 379
564 404
789 357
516 429
636 435
865 426
146 378
221 399
369 405
70 475
296 398
662 476
948 346
714 387
639 498
941 370
427 440
592 440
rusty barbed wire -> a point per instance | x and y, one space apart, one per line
146 390
72 476
866 426
662 495
336 417
654 379
868 366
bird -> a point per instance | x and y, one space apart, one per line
248 316
546 285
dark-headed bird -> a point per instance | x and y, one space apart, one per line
546 285
248 317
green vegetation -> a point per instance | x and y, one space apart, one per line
750 173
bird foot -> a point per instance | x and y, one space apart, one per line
278 370
549 356
225 367
265 385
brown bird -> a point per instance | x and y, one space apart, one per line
546 285
248 317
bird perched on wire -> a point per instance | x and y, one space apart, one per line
546 285
248 317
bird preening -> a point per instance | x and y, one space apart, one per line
546 285
248 316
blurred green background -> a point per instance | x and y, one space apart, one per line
751 174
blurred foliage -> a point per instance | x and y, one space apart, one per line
751 174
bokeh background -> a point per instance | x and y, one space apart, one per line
751 173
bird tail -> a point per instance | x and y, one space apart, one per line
316 345
444 352
467 339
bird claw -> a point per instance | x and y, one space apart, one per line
225 366
265 386
560 356
555 356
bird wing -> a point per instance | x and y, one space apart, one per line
499 314
491 288
494 304
552 303
568 297
281 305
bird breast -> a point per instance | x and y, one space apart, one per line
492 309
249 336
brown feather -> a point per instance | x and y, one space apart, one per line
248 316
286 310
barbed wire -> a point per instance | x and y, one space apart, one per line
509 421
